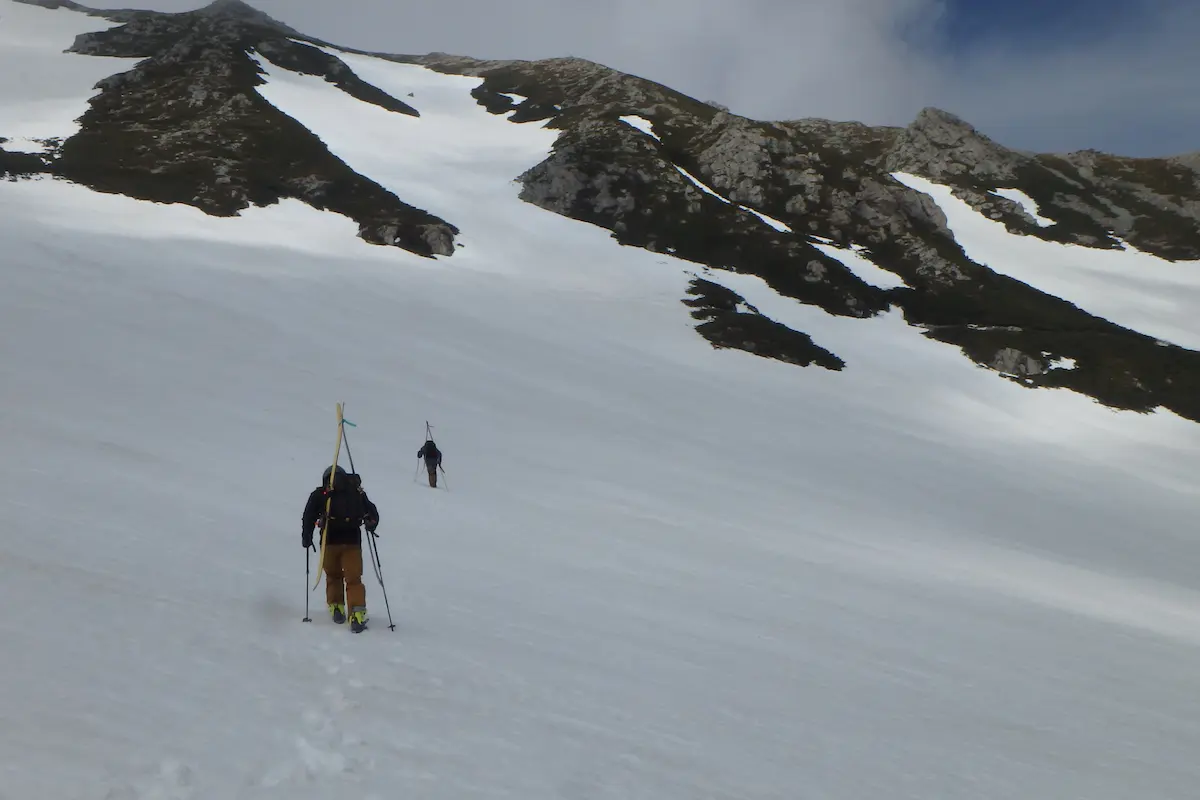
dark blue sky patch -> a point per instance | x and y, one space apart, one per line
1034 24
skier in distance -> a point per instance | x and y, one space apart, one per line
433 460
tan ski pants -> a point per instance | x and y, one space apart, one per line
343 576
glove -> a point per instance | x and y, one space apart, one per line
306 538
371 524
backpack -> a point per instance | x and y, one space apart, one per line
346 507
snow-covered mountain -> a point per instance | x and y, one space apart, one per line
661 569
790 202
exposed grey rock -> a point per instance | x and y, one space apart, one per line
739 162
939 145
1011 361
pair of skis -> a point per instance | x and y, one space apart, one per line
337 452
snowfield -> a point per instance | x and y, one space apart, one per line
659 570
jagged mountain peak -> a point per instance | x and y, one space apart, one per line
934 116
234 7
242 12
939 144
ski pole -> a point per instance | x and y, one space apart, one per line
349 455
307 573
379 574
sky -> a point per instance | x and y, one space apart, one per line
1046 76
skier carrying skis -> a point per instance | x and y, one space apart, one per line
349 509
433 460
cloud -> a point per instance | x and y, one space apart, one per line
877 61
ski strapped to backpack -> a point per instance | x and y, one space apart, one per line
329 496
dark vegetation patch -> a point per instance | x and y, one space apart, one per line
1156 192
1116 367
726 326
20 165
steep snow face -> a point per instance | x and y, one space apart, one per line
44 90
1131 288
659 570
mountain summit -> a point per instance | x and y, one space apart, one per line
243 12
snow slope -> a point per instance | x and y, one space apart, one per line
659 571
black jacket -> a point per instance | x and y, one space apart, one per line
349 507
432 456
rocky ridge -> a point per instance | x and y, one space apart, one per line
834 180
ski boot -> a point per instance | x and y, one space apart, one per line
338 612
358 620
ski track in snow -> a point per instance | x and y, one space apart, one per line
659 571
1130 288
